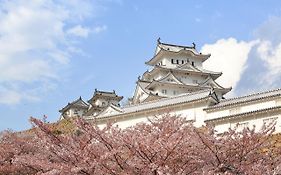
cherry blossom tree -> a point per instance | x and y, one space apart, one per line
165 145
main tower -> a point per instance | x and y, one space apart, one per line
176 70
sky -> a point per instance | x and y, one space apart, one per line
54 51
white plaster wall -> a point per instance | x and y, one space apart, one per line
258 106
188 79
257 122
170 91
100 101
71 112
166 60
217 114
192 113
240 109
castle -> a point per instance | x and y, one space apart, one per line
177 83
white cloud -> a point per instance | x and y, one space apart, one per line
271 55
79 31
100 29
232 58
34 43
269 49
228 56
85 31
9 97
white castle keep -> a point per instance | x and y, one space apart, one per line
177 83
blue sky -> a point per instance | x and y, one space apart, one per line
53 51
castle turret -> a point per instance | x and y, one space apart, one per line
176 70
101 100
76 108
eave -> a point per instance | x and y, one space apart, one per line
97 96
157 68
140 109
75 105
244 114
154 59
272 94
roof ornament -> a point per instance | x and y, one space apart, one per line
96 89
158 40
113 91
194 45
80 98
139 77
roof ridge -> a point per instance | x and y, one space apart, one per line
244 113
203 69
188 63
177 52
252 94
168 74
178 96
176 45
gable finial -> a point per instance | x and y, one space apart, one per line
194 45
158 40
96 89
80 98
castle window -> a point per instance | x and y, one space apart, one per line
164 91
177 61
103 103
75 112
175 92
241 126
269 121
192 63
182 61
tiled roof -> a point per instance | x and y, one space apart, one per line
164 47
185 69
94 109
209 71
244 99
184 98
176 48
79 103
99 94
244 114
